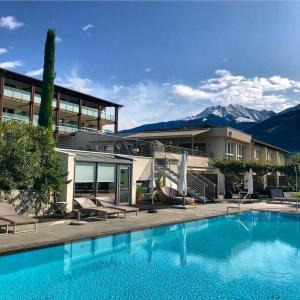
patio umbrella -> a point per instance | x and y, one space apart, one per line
152 186
250 182
182 184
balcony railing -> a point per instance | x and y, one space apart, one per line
107 116
68 106
16 93
14 117
67 128
89 129
89 111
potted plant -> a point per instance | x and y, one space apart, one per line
139 193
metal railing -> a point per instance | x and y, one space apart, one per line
198 186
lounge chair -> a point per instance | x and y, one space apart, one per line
290 197
8 214
171 196
277 195
4 224
104 202
89 206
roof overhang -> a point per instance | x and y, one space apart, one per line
168 134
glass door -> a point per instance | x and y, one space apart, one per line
124 184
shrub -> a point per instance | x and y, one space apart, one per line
30 170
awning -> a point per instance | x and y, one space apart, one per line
168 134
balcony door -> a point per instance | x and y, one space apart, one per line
124 184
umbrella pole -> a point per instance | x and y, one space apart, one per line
152 210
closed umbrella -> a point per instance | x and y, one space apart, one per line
152 186
250 182
182 184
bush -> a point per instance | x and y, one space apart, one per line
30 170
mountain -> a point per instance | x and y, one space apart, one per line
237 113
282 130
236 116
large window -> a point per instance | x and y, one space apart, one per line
240 152
106 186
229 150
85 173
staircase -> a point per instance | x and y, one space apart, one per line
198 186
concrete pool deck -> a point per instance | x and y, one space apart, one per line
59 232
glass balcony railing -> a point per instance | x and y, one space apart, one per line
37 98
64 105
15 117
89 129
16 93
89 111
69 106
107 116
67 128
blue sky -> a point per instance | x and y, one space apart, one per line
162 60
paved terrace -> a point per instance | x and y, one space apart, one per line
59 232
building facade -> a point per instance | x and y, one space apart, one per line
20 98
215 143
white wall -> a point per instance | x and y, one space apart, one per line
68 167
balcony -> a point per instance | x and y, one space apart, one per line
67 128
15 117
92 112
16 93
69 106
107 116
64 105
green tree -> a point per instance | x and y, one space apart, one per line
45 114
31 173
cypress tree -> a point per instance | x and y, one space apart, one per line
45 114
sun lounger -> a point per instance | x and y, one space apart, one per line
4 224
89 206
290 197
277 195
104 202
8 214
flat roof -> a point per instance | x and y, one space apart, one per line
269 145
166 134
68 91
91 156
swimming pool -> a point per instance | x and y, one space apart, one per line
253 255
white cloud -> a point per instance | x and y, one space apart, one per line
3 50
273 93
147 70
11 64
87 27
150 102
35 73
10 22
58 39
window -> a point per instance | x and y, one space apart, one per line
256 154
85 179
229 150
106 176
240 152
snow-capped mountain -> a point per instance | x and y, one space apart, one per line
236 116
234 112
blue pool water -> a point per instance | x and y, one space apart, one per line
253 255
